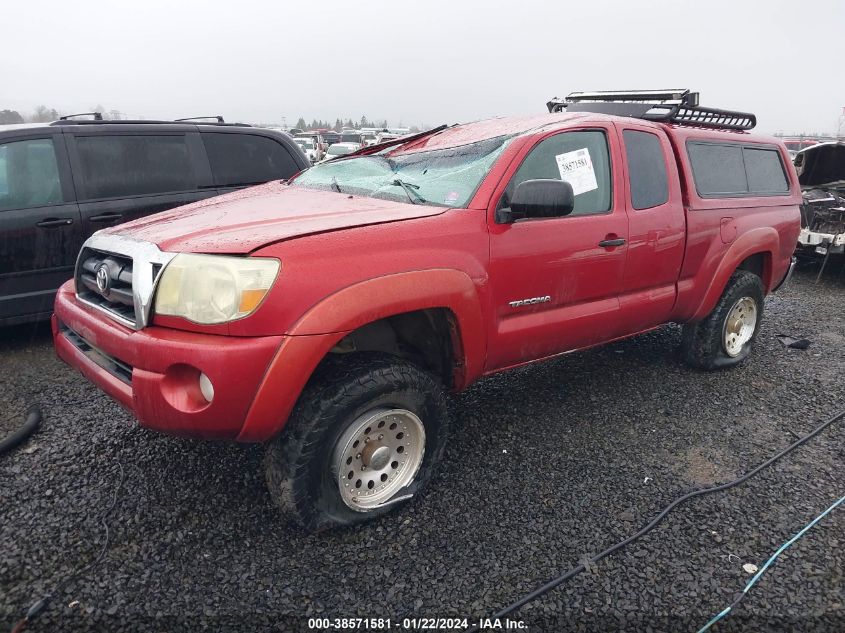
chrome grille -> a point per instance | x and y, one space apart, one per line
117 275
105 280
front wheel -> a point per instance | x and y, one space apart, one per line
365 436
725 337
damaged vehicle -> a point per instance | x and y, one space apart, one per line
328 316
821 172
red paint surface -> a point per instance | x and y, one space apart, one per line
349 261
160 357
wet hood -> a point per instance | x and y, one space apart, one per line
243 221
821 166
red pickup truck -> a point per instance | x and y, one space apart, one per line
328 315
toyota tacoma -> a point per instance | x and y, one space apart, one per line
328 315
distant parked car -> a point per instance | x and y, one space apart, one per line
341 149
307 144
795 145
385 136
352 137
319 142
325 137
331 137
61 182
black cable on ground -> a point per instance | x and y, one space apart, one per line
32 422
30 425
555 582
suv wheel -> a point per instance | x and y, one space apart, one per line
365 436
725 337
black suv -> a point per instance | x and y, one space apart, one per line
62 181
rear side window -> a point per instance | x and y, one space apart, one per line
718 169
130 165
29 174
726 171
246 159
647 176
764 171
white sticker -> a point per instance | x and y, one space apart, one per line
576 168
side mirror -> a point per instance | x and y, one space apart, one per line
547 198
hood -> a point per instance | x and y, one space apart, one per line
821 166
245 220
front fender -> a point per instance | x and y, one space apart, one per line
764 240
326 323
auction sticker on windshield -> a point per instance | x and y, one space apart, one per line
576 168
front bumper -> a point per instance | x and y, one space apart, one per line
154 371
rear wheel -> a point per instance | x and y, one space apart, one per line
726 336
365 436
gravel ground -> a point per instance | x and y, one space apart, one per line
546 464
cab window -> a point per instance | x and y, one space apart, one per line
581 158
29 174
647 176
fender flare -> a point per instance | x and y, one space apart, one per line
312 337
763 240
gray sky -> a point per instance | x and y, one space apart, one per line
439 61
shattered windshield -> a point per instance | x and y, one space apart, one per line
443 177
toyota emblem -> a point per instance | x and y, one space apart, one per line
103 279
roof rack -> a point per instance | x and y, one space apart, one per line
217 120
216 117
98 116
671 106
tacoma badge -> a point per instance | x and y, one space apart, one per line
529 302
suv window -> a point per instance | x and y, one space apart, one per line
647 176
580 158
247 159
722 170
128 165
29 174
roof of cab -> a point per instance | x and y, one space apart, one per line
475 131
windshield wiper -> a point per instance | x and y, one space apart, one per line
335 186
409 189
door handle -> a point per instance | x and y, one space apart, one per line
106 217
619 241
54 222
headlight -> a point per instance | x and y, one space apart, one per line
212 288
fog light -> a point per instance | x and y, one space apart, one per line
206 387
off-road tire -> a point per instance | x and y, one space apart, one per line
702 342
298 462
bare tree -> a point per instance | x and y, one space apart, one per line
10 116
43 114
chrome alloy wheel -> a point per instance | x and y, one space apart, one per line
740 326
378 455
